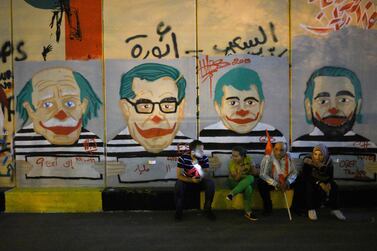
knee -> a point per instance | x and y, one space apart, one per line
179 187
248 190
249 179
210 184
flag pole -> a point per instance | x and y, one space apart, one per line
286 203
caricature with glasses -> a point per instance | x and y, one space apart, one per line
152 100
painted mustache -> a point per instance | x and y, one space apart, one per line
61 127
154 132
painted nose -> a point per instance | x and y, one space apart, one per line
61 115
242 113
156 119
333 111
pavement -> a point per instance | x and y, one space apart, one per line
157 230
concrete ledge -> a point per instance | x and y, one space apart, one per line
114 199
221 203
53 200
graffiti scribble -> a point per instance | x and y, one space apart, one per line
162 30
208 67
338 14
46 50
253 46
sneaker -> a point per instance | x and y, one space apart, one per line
251 216
312 214
178 216
210 215
338 214
229 197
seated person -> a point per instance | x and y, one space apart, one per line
192 174
318 182
241 171
277 173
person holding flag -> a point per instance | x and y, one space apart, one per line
277 172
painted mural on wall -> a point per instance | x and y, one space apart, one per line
55 106
153 101
243 77
8 52
242 99
333 95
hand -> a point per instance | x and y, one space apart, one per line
325 187
195 179
214 162
328 187
283 186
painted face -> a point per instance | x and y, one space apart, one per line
334 106
58 109
240 111
279 150
236 157
153 117
317 156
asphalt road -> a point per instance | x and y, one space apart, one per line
158 231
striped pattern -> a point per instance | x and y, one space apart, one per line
217 137
189 170
28 143
350 143
124 146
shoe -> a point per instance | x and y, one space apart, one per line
338 214
210 215
178 216
229 197
312 214
251 216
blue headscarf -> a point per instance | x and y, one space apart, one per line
325 152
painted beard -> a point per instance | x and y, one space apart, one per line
334 131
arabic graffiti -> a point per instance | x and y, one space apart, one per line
208 67
338 14
162 31
255 44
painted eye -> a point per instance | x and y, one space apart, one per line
250 102
47 104
323 101
343 100
70 104
233 103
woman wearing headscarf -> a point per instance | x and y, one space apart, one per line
319 184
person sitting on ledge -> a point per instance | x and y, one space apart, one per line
277 173
241 171
318 183
192 174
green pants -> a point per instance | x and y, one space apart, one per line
243 186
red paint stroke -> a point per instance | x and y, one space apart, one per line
62 130
208 68
242 121
89 19
341 15
154 132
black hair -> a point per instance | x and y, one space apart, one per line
193 144
241 150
